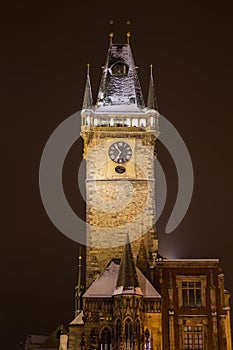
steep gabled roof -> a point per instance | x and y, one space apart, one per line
105 285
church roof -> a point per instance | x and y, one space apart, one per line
105 285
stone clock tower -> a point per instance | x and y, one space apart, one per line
119 134
135 299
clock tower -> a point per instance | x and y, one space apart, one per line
119 133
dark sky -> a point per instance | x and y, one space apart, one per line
45 48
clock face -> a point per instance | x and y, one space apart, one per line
120 152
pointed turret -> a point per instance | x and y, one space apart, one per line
79 287
151 98
142 259
87 99
120 84
127 277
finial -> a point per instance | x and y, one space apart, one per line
88 68
111 34
151 69
128 36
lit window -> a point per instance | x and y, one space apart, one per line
120 68
134 122
193 338
191 294
143 123
147 340
191 291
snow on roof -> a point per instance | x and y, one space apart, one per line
38 338
105 285
119 108
148 290
78 319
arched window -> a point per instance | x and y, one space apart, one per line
118 334
147 340
128 334
105 339
120 68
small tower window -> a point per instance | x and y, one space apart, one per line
120 68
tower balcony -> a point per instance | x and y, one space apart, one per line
146 121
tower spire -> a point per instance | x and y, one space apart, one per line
127 277
151 99
111 35
87 99
79 287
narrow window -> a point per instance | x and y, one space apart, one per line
138 334
147 340
128 335
118 334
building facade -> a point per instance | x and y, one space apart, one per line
132 297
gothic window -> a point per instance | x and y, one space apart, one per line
193 338
120 68
128 334
118 334
138 334
191 294
147 340
105 339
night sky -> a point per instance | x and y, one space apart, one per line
45 49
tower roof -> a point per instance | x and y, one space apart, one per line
120 84
127 277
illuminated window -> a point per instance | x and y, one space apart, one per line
106 339
191 291
191 294
134 122
120 68
147 340
128 334
193 338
